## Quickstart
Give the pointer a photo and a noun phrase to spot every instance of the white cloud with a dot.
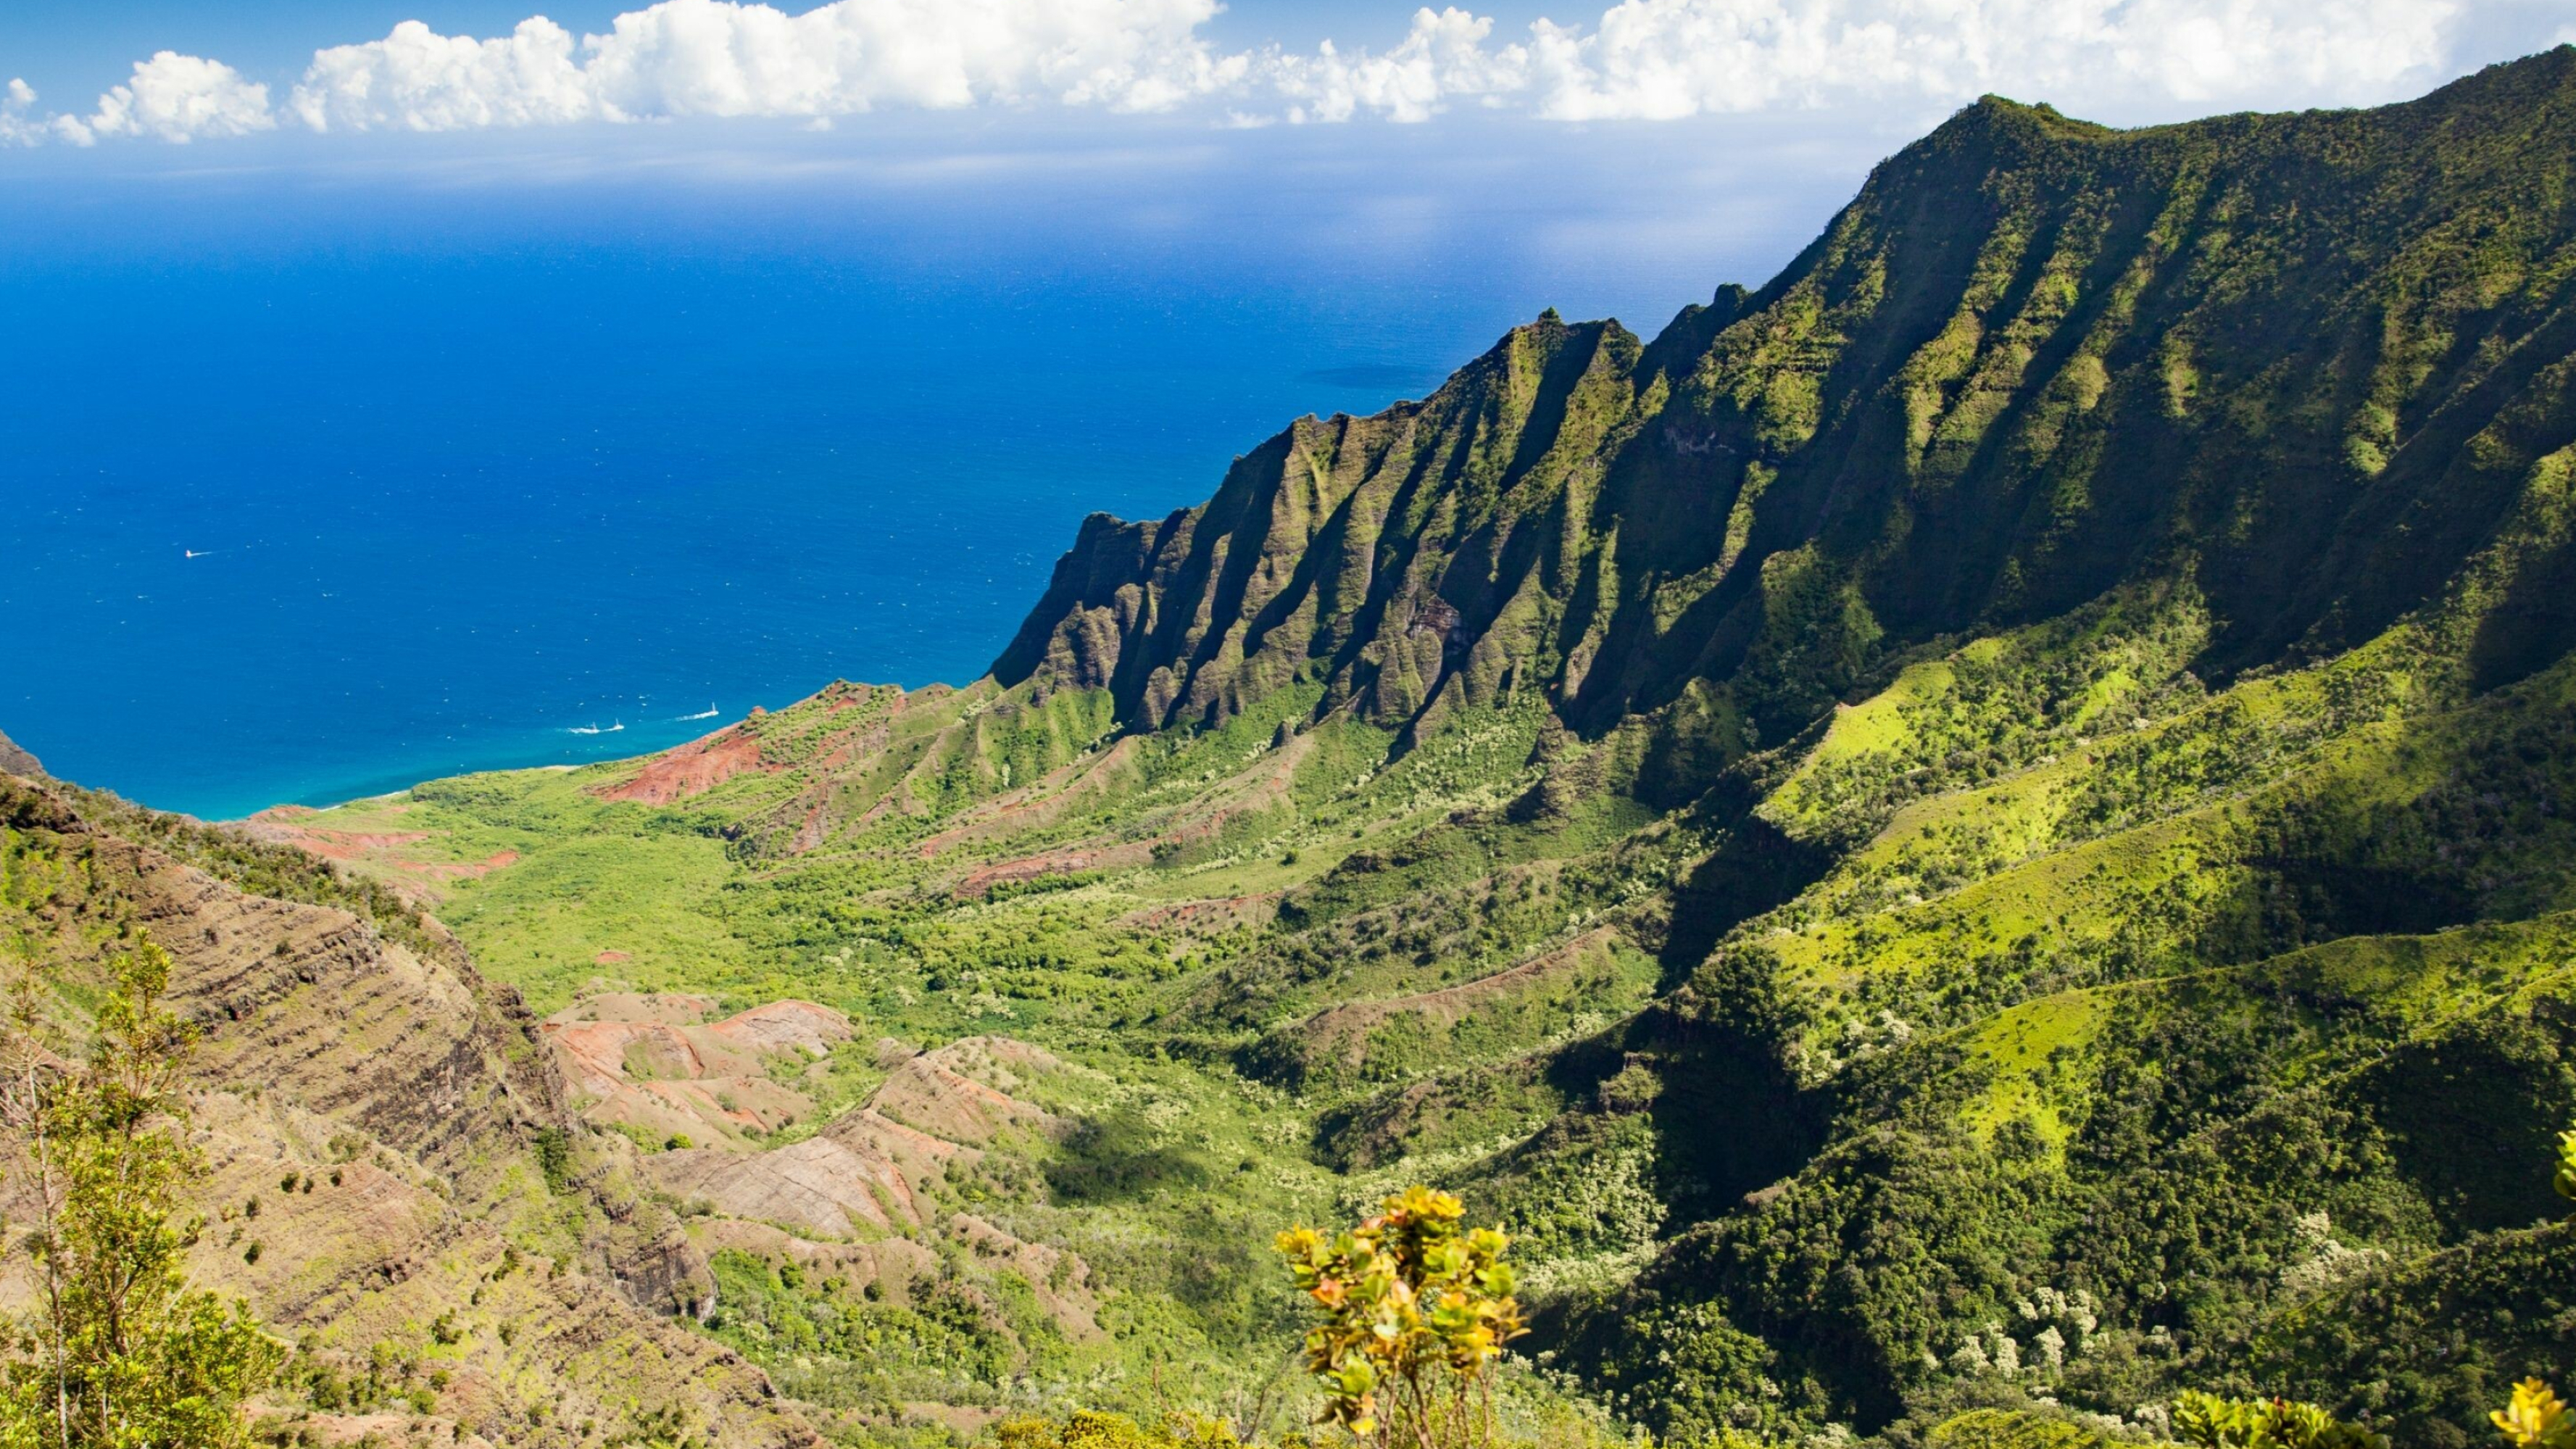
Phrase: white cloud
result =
(1636, 60)
(719, 58)
(1442, 59)
(1663, 59)
(175, 97)
(16, 126)
(419, 80)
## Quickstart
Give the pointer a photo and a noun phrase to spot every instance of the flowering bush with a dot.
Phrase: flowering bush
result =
(2536, 1419)
(1415, 1306)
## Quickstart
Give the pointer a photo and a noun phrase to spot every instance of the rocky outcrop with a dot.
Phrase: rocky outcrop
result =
(15, 761)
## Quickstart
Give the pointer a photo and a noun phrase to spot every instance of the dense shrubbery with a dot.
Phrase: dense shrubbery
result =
(1090, 1429)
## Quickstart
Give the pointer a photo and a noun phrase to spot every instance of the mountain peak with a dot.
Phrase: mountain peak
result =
(2037, 359)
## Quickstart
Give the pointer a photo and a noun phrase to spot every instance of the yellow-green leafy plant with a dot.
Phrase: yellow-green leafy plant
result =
(2212, 1422)
(2536, 1419)
(1415, 1307)
(2566, 1181)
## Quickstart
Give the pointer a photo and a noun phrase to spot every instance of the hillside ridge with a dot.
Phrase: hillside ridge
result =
(1937, 418)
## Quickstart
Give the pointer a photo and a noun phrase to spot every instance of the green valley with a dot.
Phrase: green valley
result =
(1954, 847)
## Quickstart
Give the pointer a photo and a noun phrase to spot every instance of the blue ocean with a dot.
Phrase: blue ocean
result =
(318, 481)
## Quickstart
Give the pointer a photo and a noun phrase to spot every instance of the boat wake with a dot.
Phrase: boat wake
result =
(592, 729)
(708, 713)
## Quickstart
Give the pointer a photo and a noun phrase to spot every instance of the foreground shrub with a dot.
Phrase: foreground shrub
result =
(2536, 1419)
(1415, 1307)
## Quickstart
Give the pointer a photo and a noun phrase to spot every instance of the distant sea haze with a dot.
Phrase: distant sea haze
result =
(313, 494)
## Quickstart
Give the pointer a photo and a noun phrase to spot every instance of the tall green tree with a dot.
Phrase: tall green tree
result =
(118, 1352)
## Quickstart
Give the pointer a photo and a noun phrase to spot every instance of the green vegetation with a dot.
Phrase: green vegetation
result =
(117, 1349)
(2210, 1422)
(1089, 1429)
(1415, 1307)
(1958, 848)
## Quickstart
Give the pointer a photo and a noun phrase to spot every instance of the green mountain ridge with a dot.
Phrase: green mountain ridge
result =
(2034, 360)
(1977, 837)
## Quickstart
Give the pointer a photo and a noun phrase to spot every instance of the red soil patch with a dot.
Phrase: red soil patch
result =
(654, 1061)
(1040, 802)
(694, 769)
(815, 829)
(1188, 917)
(1070, 860)
(1182, 913)
(594, 1052)
(783, 1026)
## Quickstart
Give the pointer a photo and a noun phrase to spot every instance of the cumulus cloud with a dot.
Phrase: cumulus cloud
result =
(1655, 59)
(719, 58)
(1665, 59)
(174, 97)
(1444, 58)
(1636, 60)
(16, 126)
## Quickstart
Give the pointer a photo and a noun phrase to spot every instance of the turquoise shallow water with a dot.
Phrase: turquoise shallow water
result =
(312, 489)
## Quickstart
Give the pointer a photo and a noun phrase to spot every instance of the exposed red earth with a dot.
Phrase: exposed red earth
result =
(694, 768)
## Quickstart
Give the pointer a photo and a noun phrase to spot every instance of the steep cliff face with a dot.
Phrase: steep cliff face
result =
(2310, 364)
(384, 1146)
